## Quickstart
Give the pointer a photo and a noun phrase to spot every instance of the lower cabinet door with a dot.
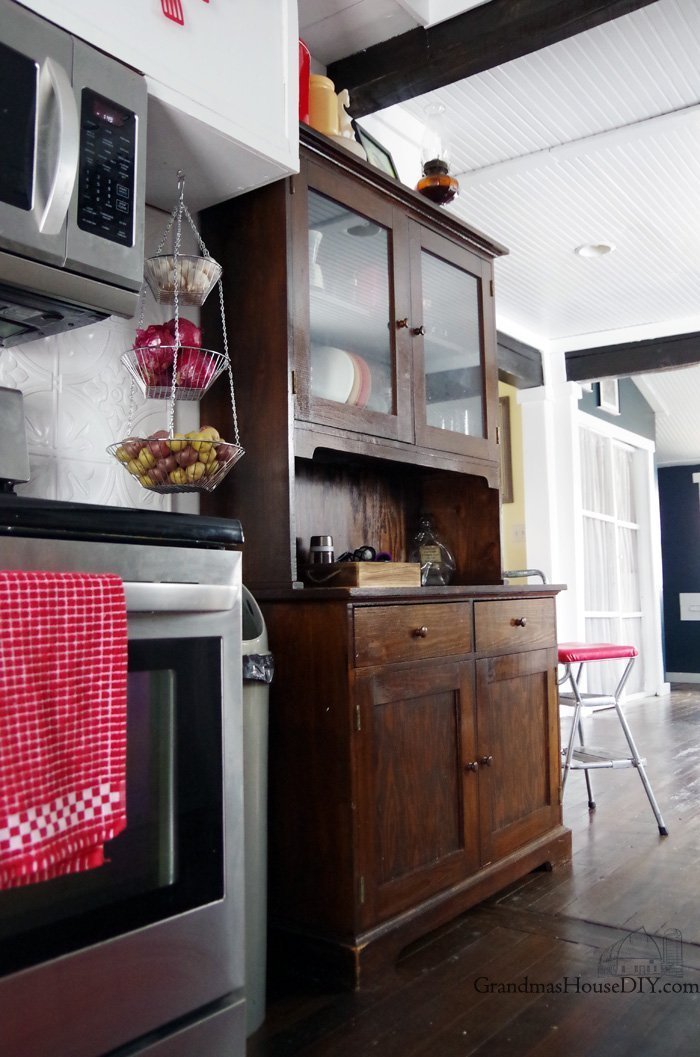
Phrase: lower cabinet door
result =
(518, 750)
(417, 810)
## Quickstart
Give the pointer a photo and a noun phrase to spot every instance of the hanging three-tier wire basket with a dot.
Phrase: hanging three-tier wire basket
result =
(167, 362)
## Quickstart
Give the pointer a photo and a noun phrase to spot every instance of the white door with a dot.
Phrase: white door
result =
(615, 513)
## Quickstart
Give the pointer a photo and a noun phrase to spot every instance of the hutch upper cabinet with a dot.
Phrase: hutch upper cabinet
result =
(399, 321)
(361, 326)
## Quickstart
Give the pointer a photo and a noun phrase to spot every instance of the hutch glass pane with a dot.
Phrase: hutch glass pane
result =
(351, 348)
(454, 377)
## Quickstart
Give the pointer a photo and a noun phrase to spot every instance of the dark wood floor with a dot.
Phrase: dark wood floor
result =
(519, 974)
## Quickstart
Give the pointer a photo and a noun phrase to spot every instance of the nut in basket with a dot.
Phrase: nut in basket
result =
(193, 277)
(191, 462)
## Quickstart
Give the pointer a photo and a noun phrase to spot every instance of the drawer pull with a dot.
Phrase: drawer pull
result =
(519, 622)
(420, 633)
(486, 761)
(473, 766)
(401, 323)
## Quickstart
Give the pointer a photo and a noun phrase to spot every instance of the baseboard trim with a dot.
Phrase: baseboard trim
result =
(683, 677)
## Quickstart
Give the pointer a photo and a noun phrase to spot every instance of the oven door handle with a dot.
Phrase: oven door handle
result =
(182, 598)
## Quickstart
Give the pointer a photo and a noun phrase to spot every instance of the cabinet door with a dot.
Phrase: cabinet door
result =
(417, 812)
(351, 285)
(518, 750)
(452, 326)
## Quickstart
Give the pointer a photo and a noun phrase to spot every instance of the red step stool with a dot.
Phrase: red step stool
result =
(581, 757)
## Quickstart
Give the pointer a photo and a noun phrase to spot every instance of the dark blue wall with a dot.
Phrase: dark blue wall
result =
(679, 499)
(635, 413)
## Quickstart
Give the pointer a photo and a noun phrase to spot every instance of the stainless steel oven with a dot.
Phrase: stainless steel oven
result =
(144, 955)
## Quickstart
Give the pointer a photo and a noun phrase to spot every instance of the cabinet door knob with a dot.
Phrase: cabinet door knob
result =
(401, 323)
(486, 761)
(421, 633)
(418, 330)
(519, 622)
(473, 766)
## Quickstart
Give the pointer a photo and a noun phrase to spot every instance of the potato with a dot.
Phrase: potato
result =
(199, 440)
(167, 464)
(211, 432)
(195, 471)
(187, 456)
(178, 442)
(146, 458)
(158, 444)
(208, 456)
(132, 447)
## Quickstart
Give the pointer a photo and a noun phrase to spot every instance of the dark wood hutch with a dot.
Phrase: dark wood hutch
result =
(414, 743)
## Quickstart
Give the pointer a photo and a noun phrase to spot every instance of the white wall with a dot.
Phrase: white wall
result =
(77, 399)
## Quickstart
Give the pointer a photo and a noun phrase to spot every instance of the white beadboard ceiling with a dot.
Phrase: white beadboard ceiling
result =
(593, 139)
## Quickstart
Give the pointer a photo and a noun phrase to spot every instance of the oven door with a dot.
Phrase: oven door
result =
(109, 955)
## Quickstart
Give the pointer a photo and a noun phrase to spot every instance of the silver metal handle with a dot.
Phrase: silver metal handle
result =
(173, 598)
(515, 574)
(54, 82)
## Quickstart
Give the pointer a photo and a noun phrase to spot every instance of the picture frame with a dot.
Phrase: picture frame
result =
(609, 396)
(377, 154)
(505, 449)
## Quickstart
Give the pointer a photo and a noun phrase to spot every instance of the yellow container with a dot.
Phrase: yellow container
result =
(323, 105)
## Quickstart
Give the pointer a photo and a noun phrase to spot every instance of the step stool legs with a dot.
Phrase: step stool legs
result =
(634, 760)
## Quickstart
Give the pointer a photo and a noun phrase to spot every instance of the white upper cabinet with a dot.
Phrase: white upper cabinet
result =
(222, 84)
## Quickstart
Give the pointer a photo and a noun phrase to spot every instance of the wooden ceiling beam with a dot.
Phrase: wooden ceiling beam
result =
(496, 32)
(633, 357)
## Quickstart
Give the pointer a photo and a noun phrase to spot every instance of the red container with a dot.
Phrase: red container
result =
(304, 68)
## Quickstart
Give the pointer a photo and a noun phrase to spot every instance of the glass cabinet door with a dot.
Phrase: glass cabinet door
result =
(451, 373)
(352, 349)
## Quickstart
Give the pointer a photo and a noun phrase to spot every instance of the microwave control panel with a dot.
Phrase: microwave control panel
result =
(107, 169)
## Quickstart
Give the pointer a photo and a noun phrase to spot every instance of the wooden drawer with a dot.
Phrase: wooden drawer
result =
(510, 623)
(405, 633)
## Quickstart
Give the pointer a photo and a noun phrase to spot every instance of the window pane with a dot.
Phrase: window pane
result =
(597, 481)
(622, 468)
(628, 566)
(599, 564)
(351, 347)
(454, 381)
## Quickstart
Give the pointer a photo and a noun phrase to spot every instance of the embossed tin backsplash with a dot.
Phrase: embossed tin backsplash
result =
(76, 402)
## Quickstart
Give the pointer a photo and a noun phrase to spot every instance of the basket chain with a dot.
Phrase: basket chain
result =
(175, 219)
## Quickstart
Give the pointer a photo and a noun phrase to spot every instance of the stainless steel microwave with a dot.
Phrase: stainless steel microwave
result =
(72, 180)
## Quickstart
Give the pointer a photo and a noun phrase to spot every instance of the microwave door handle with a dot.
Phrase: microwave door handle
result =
(54, 82)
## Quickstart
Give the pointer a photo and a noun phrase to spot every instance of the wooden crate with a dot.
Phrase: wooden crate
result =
(365, 574)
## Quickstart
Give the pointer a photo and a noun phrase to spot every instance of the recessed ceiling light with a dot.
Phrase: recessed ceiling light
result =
(594, 249)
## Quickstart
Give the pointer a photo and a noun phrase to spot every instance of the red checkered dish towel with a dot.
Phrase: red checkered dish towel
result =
(63, 667)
